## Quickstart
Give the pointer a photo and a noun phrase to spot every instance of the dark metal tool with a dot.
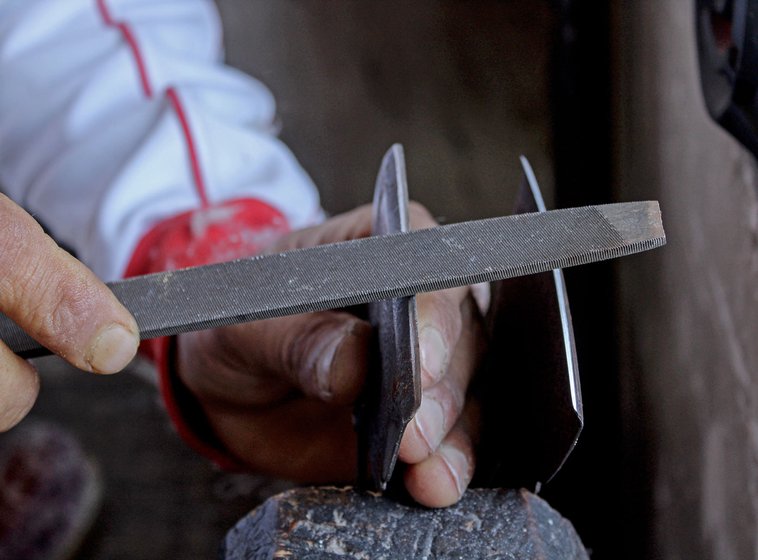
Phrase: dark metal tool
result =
(530, 320)
(375, 268)
(393, 391)
(529, 388)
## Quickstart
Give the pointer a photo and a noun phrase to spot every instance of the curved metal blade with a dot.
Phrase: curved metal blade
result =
(531, 393)
(393, 389)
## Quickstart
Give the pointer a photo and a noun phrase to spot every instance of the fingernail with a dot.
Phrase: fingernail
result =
(430, 421)
(457, 465)
(433, 353)
(112, 349)
(324, 364)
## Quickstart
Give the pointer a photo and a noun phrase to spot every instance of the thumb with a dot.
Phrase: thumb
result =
(351, 225)
(326, 357)
(322, 355)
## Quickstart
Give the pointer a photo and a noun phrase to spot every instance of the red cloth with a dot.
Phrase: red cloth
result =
(217, 233)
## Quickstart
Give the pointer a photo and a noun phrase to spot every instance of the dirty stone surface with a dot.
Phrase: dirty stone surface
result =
(338, 523)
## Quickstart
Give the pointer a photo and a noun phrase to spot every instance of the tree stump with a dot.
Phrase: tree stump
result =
(334, 523)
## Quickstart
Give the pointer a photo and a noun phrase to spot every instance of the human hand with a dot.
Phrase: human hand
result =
(279, 393)
(60, 303)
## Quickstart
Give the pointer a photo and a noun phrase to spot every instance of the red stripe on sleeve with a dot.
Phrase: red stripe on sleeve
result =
(128, 35)
(197, 173)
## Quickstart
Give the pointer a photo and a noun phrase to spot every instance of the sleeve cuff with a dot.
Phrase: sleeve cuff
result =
(185, 411)
(236, 228)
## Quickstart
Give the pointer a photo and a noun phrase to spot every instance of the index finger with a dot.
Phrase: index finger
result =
(439, 315)
(57, 300)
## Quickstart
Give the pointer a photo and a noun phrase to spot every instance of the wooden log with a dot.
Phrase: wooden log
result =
(334, 523)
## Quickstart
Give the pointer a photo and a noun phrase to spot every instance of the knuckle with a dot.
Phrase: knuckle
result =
(58, 307)
(451, 397)
(351, 225)
(442, 310)
(46, 291)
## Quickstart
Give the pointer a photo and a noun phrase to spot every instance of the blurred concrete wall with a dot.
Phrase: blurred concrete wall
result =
(691, 309)
(463, 85)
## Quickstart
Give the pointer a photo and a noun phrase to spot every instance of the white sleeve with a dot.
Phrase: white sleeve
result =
(118, 114)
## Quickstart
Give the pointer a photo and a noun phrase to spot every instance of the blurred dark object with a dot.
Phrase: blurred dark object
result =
(49, 493)
(727, 36)
(342, 523)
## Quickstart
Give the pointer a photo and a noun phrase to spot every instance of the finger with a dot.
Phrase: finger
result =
(354, 224)
(322, 355)
(19, 386)
(439, 315)
(439, 329)
(442, 402)
(442, 478)
(57, 300)
(440, 407)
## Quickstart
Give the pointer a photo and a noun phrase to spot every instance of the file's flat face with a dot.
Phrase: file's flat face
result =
(376, 268)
